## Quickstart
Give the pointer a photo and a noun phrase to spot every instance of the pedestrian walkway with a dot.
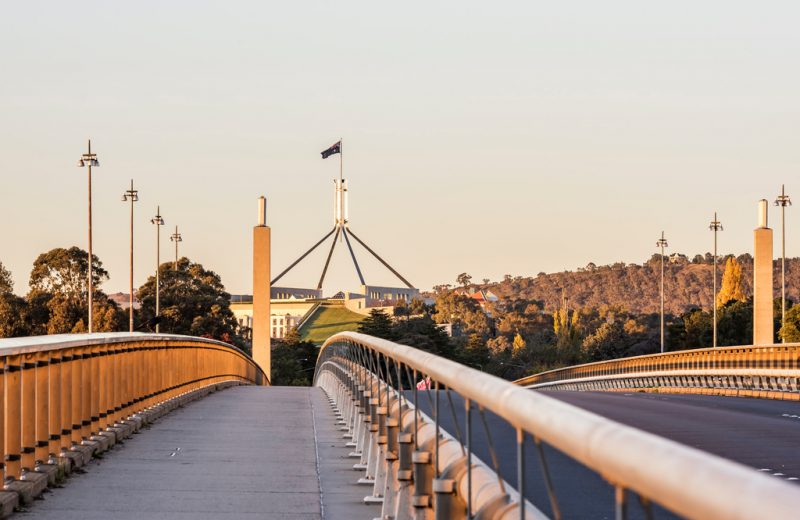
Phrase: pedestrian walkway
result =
(246, 452)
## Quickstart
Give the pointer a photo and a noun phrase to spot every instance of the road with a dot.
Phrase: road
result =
(759, 433)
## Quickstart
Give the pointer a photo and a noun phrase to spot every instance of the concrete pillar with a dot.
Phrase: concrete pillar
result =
(763, 332)
(261, 290)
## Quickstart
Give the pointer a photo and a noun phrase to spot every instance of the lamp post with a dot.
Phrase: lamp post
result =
(715, 226)
(662, 243)
(88, 160)
(158, 221)
(131, 195)
(176, 237)
(783, 200)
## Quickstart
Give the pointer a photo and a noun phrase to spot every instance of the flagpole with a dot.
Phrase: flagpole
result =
(341, 186)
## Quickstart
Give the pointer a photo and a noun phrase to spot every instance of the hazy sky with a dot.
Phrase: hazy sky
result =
(487, 137)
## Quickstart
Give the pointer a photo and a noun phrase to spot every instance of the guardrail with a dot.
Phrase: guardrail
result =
(418, 470)
(771, 371)
(67, 397)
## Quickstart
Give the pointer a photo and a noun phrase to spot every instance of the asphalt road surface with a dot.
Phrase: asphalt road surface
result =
(762, 434)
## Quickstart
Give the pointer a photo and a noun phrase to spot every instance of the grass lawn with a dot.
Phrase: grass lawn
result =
(329, 320)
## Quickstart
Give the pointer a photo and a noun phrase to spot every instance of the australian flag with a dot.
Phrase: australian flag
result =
(336, 148)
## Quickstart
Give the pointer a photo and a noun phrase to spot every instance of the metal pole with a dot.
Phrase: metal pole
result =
(176, 249)
(714, 299)
(783, 200)
(662, 243)
(158, 265)
(783, 270)
(131, 261)
(158, 221)
(662, 298)
(91, 281)
(715, 227)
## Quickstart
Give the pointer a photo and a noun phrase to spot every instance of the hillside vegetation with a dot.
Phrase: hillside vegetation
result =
(635, 287)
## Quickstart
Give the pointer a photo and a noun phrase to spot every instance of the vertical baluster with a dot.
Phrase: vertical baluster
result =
(468, 406)
(42, 404)
(521, 471)
(84, 390)
(3, 414)
(28, 414)
(13, 420)
(54, 395)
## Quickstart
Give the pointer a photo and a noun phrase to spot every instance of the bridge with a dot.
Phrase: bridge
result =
(166, 426)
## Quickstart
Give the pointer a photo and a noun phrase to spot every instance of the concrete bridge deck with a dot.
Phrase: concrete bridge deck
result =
(245, 452)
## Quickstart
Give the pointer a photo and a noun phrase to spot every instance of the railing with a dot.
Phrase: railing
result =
(765, 371)
(69, 396)
(418, 470)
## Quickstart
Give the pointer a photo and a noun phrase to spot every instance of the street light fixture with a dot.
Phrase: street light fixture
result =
(131, 195)
(176, 237)
(158, 221)
(783, 200)
(88, 160)
(715, 226)
(662, 243)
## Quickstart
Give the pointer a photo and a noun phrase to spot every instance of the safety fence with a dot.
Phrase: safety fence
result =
(771, 371)
(416, 469)
(68, 397)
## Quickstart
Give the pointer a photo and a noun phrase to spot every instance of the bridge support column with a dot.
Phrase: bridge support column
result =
(261, 290)
(763, 325)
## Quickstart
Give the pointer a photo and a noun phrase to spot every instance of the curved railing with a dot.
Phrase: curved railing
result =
(771, 371)
(416, 469)
(66, 396)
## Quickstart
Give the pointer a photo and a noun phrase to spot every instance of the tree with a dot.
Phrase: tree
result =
(464, 279)
(377, 324)
(735, 323)
(790, 332)
(65, 271)
(293, 360)
(418, 307)
(463, 312)
(193, 301)
(731, 289)
(607, 342)
(518, 344)
(13, 311)
(57, 301)
(6, 283)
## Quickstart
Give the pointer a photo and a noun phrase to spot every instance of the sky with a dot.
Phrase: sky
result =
(484, 137)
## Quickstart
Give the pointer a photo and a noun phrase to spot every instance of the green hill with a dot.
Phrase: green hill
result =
(329, 320)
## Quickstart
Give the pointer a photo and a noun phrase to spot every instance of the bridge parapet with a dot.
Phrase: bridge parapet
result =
(770, 371)
(416, 469)
(67, 397)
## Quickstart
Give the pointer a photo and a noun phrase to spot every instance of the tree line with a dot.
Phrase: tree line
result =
(193, 300)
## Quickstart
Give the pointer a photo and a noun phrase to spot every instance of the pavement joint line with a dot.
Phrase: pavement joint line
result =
(316, 456)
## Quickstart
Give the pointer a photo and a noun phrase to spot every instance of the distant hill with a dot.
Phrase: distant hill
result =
(635, 287)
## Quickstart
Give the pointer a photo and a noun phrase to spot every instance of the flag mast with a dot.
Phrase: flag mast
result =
(341, 229)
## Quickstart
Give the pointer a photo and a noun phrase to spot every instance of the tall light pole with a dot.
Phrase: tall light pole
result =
(176, 237)
(715, 226)
(783, 200)
(131, 195)
(158, 221)
(88, 160)
(662, 243)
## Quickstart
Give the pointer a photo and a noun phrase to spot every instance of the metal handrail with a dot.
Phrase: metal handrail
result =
(72, 393)
(682, 479)
(774, 361)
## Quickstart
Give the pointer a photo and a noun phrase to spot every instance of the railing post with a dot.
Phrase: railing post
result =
(42, 409)
(12, 402)
(28, 415)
